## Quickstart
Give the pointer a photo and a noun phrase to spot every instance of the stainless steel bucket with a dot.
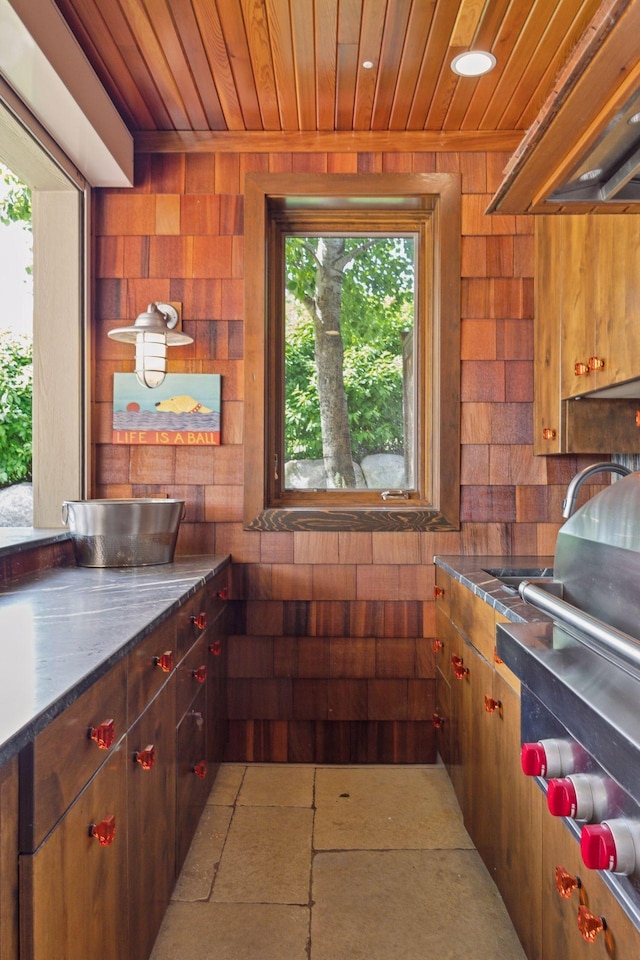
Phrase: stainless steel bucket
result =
(123, 533)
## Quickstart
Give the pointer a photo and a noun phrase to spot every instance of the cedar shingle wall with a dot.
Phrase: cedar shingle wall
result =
(333, 658)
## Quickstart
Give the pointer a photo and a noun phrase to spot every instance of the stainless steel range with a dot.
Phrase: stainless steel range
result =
(581, 684)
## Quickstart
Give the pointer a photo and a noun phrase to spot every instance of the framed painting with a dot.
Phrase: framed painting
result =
(183, 411)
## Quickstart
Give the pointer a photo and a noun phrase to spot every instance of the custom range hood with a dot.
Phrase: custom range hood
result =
(609, 172)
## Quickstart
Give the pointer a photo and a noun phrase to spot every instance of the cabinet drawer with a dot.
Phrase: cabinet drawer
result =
(474, 618)
(73, 890)
(64, 756)
(191, 675)
(201, 610)
(193, 780)
(149, 666)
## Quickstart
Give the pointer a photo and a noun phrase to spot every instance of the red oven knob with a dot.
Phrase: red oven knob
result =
(551, 758)
(582, 796)
(612, 845)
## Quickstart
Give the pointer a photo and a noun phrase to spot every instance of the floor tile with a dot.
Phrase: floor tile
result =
(384, 808)
(408, 904)
(227, 784)
(233, 931)
(196, 878)
(267, 856)
(277, 785)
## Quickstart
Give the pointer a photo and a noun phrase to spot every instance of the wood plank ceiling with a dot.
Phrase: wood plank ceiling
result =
(193, 67)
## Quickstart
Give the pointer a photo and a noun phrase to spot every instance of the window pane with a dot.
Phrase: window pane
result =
(349, 316)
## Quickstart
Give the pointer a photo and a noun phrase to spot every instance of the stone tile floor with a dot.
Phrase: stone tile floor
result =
(297, 862)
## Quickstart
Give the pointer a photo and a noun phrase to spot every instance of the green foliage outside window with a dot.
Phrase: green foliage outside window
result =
(16, 380)
(377, 308)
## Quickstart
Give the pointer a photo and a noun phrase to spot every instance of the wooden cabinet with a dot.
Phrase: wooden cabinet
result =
(587, 309)
(112, 789)
(505, 812)
(151, 820)
(9, 860)
(73, 888)
(483, 723)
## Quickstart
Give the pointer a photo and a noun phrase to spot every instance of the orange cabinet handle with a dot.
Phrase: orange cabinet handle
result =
(491, 704)
(580, 369)
(496, 658)
(223, 593)
(589, 925)
(146, 758)
(200, 673)
(438, 721)
(548, 434)
(200, 620)
(200, 770)
(437, 646)
(216, 648)
(165, 662)
(459, 669)
(438, 592)
(566, 883)
(104, 734)
(105, 831)
(595, 363)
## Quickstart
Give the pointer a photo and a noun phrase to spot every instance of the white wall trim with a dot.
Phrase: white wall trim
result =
(42, 61)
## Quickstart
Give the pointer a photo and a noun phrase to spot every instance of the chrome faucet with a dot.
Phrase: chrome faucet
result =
(569, 502)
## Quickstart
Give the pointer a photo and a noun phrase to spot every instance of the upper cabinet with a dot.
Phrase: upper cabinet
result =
(581, 154)
(587, 350)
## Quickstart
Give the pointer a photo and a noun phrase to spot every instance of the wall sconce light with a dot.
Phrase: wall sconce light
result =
(153, 331)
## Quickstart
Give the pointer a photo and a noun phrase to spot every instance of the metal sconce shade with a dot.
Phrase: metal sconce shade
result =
(152, 332)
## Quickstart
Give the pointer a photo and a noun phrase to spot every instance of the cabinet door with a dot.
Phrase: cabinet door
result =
(152, 808)
(575, 273)
(73, 889)
(192, 780)
(617, 298)
(561, 936)
(9, 860)
(217, 637)
(518, 857)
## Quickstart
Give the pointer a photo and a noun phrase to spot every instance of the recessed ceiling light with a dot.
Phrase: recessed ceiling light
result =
(590, 175)
(634, 119)
(473, 63)
(367, 64)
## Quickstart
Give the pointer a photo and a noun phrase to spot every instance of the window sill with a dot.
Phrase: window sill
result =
(357, 519)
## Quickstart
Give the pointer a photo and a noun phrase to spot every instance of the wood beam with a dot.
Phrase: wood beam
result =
(436, 141)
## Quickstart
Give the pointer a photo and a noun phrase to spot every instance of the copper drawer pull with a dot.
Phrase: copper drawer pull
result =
(438, 592)
(437, 646)
(581, 369)
(104, 832)
(566, 883)
(146, 758)
(103, 735)
(548, 434)
(595, 363)
(223, 594)
(200, 620)
(459, 669)
(200, 770)
(216, 648)
(165, 662)
(491, 705)
(589, 924)
(200, 673)
(438, 721)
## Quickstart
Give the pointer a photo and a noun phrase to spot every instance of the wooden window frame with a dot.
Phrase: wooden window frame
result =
(430, 201)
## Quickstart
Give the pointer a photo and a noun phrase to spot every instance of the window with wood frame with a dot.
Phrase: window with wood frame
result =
(352, 352)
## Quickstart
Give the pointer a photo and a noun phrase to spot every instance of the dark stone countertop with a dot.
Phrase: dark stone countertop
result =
(62, 628)
(19, 539)
(473, 573)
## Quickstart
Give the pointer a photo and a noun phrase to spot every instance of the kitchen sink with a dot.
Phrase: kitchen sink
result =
(540, 577)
